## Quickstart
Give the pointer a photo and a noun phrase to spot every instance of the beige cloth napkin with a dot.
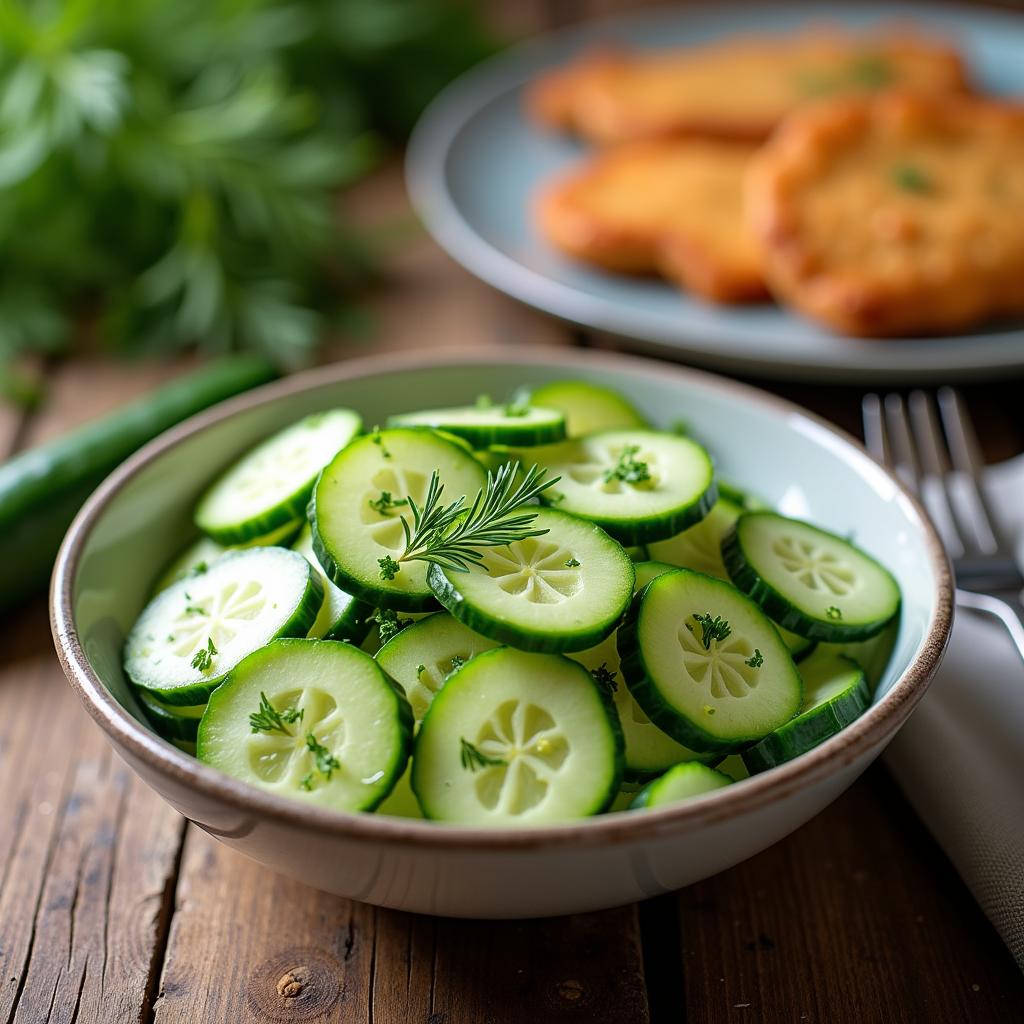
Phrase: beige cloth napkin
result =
(960, 758)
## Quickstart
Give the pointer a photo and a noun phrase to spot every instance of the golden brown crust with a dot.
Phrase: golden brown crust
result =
(738, 89)
(894, 215)
(672, 207)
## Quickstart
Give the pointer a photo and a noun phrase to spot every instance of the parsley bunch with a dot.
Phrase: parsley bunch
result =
(168, 167)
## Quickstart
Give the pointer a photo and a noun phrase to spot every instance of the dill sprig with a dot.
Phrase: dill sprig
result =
(715, 628)
(629, 469)
(451, 536)
(326, 762)
(203, 658)
(605, 678)
(472, 758)
(269, 719)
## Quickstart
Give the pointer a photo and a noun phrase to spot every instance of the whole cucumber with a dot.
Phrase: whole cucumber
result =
(42, 489)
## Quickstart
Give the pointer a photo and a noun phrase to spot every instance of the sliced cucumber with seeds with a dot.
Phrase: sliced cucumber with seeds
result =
(836, 693)
(270, 485)
(194, 632)
(516, 739)
(588, 407)
(360, 498)
(166, 722)
(200, 553)
(706, 664)
(700, 547)
(639, 485)
(563, 591)
(682, 782)
(809, 580)
(341, 616)
(422, 656)
(313, 720)
(483, 425)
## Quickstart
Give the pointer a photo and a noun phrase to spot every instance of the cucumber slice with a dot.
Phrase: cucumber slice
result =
(331, 695)
(734, 767)
(168, 724)
(271, 484)
(484, 425)
(872, 655)
(836, 693)
(738, 688)
(739, 496)
(624, 798)
(588, 407)
(194, 632)
(517, 739)
(200, 553)
(799, 646)
(639, 485)
(422, 656)
(809, 580)
(401, 802)
(563, 591)
(354, 526)
(341, 616)
(680, 783)
(649, 570)
(700, 547)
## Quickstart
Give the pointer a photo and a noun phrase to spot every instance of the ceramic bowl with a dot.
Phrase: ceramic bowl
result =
(140, 516)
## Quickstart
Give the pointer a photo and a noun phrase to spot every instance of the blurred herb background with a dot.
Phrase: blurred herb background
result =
(168, 168)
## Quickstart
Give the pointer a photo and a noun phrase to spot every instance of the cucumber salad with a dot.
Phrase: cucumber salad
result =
(503, 614)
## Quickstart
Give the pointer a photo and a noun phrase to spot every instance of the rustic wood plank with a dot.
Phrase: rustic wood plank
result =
(857, 916)
(247, 945)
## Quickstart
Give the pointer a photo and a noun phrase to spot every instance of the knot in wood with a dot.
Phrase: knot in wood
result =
(290, 983)
(294, 986)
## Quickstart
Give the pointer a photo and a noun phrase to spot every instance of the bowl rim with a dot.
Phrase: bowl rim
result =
(876, 726)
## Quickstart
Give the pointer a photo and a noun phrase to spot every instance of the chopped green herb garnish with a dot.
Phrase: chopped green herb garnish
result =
(194, 609)
(269, 719)
(450, 535)
(376, 438)
(681, 428)
(386, 502)
(420, 669)
(833, 612)
(457, 662)
(203, 658)
(605, 678)
(306, 782)
(472, 758)
(519, 406)
(628, 469)
(756, 660)
(715, 628)
(388, 623)
(572, 563)
(911, 179)
(199, 568)
(326, 762)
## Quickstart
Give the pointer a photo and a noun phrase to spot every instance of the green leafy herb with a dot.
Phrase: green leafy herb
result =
(420, 669)
(833, 612)
(306, 782)
(715, 628)
(911, 179)
(269, 719)
(194, 609)
(756, 660)
(199, 568)
(472, 758)
(326, 762)
(628, 469)
(385, 502)
(451, 535)
(605, 678)
(457, 662)
(519, 406)
(388, 623)
(681, 428)
(571, 563)
(203, 658)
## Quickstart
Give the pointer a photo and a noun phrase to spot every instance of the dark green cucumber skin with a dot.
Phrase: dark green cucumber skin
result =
(170, 727)
(645, 692)
(630, 534)
(512, 434)
(297, 626)
(42, 489)
(610, 714)
(780, 609)
(556, 642)
(402, 706)
(354, 626)
(259, 526)
(807, 730)
(650, 791)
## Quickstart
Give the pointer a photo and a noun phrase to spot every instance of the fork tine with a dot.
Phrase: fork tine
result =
(875, 438)
(901, 442)
(935, 479)
(967, 462)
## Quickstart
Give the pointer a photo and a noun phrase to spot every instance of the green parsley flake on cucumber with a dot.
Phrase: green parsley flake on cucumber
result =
(724, 635)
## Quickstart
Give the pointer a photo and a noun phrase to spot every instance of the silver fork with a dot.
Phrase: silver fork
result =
(942, 464)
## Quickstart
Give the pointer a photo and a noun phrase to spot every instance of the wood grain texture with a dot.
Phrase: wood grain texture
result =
(856, 917)
(247, 945)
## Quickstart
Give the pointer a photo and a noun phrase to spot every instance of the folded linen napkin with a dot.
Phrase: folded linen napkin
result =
(960, 758)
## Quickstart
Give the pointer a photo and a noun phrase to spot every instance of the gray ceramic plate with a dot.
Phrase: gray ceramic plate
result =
(475, 160)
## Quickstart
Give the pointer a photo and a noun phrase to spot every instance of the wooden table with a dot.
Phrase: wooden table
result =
(113, 910)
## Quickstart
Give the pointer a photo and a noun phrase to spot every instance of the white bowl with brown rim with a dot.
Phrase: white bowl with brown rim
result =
(141, 514)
